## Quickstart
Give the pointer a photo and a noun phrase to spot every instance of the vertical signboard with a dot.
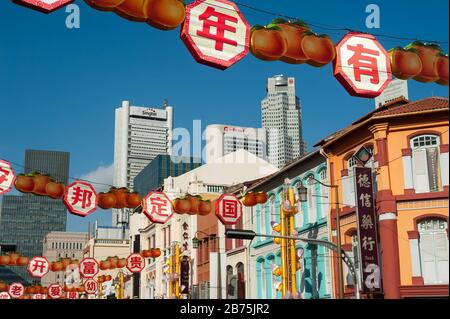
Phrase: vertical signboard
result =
(184, 278)
(367, 231)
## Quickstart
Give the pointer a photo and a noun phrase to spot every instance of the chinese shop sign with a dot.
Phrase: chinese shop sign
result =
(184, 278)
(228, 209)
(7, 177)
(367, 231)
(157, 207)
(81, 199)
(362, 65)
(45, 6)
(216, 33)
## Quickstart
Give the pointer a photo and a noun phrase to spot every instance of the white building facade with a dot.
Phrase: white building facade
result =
(209, 181)
(225, 139)
(141, 133)
(59, 245)
(282, 119)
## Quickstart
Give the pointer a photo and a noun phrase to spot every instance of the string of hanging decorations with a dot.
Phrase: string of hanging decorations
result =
(81, 198)
(217, 34)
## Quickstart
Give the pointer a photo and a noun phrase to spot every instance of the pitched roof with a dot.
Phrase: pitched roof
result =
(398, 107)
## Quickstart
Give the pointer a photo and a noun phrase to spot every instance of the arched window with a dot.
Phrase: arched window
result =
(433, 250)
(425, 163)
(324, 195)
(299, 217)
(240, 281)
(261, 278)
(312, 199)
(231, 284)
(272, 278)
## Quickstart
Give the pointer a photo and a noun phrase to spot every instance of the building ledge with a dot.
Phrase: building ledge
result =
(423, 196)
(421, 291)
(235, 251)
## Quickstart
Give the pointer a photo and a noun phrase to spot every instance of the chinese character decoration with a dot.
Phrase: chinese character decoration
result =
(88, 268)
(423, 62)
(45, 6)
(81, 199)
(362, 65)
(185, 244)
(135, 263)
(161, 14)
(157, 207)
(55, 291)
(216, 33)
(38, 267)
(7, 177)
(91, 286)
(16, 290)
(228, 209)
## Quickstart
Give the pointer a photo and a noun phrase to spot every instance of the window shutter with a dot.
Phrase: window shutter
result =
(421, 182)
(428, 258)
(433, 171)
(351, 185)
(441, 241)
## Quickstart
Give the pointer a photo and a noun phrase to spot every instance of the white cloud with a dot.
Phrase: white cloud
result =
(103, 175)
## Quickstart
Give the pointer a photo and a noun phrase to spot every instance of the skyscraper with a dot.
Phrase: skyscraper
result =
(26, 219)
(141, 133)
(281, 117)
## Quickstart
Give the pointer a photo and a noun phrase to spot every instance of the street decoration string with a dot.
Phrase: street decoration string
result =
(217, 34)
(286, 38)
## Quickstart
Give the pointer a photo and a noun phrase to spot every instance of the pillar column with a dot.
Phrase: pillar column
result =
(387, 212)
(389, 255)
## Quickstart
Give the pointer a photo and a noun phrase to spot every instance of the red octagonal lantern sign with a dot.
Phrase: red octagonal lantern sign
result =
(81, 199)
(228, 209)
(55, 291)
(91, 286)
(16, 290)
(7, 177)
(45, 6)
(38, 267)
(362, 65)
(135, 263)
(216, 33)
(89, 268)
(157, 207)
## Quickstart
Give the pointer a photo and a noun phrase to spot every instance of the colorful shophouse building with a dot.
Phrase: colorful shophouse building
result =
(410, 146)
(314, 280)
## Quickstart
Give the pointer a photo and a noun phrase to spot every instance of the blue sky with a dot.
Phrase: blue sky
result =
(59, 87)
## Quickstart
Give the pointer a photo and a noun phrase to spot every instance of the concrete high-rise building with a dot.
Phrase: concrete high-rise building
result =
(225, 139)
(62, 245)
(26, 219)
(282, 119)
(141, 133)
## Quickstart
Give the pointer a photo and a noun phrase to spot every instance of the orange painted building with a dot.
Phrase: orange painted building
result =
(410, 146)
